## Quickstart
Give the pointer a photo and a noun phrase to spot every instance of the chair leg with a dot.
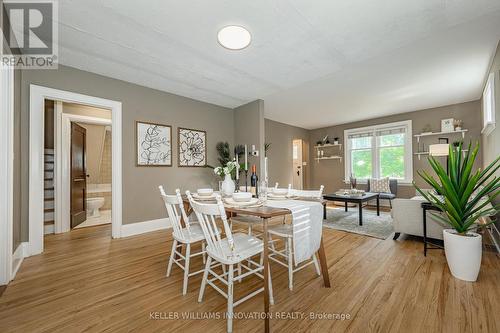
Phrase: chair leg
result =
(186, 269)
(204, 255)
(172, 255)
(239, 272)
(396, 235)
(204, 279)
(315, 260)
(290, 263)
(230, 299)
(390, 203)
(249, 229)
(271, 241)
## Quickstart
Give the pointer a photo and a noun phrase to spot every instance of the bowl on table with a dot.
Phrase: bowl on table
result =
(280, 191)
(205, 192)
(242, 196)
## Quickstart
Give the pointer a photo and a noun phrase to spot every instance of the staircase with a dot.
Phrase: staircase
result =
(48, 205)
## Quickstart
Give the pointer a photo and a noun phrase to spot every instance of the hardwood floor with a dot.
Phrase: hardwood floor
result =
(87, 282)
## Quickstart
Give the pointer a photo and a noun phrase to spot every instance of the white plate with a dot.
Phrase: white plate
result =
(204, 197)
(251, 202)
(279, 197)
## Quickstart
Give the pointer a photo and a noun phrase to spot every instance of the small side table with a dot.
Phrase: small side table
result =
(425, 207)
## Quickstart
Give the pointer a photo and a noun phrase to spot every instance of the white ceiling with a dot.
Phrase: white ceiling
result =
(315, 63)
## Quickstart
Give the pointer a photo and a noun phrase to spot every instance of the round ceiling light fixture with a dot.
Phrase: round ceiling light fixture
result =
(234, 37)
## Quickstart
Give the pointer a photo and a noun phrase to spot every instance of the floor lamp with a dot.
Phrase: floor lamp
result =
(440, 149)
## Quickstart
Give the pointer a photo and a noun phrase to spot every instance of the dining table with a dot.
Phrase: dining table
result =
(266, 213)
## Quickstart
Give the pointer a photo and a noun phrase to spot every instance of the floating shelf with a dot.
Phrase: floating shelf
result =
(418, 136)
(328, 158)
(328, 145)
(427, 153)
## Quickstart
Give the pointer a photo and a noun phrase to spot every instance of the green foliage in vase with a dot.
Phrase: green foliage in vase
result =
(460, 190)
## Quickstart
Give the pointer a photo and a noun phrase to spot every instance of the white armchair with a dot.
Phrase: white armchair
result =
(407, 218)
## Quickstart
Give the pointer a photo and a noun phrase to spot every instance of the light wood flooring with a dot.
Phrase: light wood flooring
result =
(85, 281)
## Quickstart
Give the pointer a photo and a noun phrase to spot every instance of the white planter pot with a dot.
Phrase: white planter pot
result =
(228, 186)
(463, 254)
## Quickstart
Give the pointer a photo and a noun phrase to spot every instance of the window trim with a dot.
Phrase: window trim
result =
(489, 123)
(375, 158)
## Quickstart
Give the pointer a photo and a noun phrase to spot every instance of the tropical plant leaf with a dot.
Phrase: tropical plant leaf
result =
(462, 188)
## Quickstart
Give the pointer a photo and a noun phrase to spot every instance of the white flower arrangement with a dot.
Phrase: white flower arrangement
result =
(226, 170)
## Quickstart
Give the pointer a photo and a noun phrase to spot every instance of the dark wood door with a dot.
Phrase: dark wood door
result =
(78, 175)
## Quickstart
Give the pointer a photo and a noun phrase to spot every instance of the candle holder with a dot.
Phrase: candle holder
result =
(246, 180)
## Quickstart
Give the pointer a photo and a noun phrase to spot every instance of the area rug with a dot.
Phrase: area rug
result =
(374, 226)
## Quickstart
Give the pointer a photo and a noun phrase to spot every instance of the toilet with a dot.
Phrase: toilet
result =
(93, 206)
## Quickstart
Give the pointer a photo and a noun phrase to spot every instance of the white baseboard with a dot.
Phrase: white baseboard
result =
(146, 226)
(18, 257)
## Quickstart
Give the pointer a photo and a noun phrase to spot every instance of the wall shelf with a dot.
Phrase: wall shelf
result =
(328, 158)
(328, 145)
(418, 136)
(427, 153)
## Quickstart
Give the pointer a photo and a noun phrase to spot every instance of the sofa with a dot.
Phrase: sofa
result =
(407, 216)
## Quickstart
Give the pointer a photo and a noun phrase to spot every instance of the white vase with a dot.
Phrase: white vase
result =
(463, 254)
(228, 186)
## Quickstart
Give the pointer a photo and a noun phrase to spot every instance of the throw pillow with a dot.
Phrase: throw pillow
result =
(380, 185)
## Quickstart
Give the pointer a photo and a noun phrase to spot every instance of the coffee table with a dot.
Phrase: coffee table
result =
(357, 199)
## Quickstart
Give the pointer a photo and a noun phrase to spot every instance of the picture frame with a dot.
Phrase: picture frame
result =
(153, 144)
(447, 125)
(191, 147)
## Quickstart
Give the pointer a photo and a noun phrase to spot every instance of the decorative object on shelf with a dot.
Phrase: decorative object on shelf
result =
(319, 143)
(353, 182)
(457, 124)
(465, 197)
(192, 145)
(319, 153)
(153, 144)
(325, 140)
(336, 141)
(427, 129)
(322, 153)
(447, 125)
(228, 186)
(267, 146)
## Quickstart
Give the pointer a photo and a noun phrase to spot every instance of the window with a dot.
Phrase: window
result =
(380, 151)
(489, 105)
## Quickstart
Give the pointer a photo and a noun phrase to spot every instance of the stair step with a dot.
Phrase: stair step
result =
(50, 188)
(48, 210)
(48, 199)
(51, 162)
(48, 222)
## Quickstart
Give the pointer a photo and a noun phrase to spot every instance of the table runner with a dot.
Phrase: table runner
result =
(307, 223)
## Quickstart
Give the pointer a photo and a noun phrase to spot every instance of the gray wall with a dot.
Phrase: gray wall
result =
(491, 143)
(331, 172)
(280, 153)
(141, 201)
(249, 129)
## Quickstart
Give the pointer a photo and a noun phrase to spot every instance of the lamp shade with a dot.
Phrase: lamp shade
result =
(439, 149)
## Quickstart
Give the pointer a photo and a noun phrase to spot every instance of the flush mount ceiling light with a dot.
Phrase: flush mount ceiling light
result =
(234, 37)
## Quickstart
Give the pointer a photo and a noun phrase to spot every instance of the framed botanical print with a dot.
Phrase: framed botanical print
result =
(192, 146)
(153, 144)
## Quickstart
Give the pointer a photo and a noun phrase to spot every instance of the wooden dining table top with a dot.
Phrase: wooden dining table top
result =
(264, 211)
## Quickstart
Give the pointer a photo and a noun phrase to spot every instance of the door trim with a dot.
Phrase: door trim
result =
(36, 151)
(63, 140)
(6, 172)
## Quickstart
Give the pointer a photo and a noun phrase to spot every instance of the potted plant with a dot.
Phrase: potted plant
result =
(228, 185)
(463, 196)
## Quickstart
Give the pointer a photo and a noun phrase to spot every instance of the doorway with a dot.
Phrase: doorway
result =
(298, 164)
(38, 95)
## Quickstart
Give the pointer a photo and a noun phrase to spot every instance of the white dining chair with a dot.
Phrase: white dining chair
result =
(284, 231)
(186, 235)
(232, 250)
